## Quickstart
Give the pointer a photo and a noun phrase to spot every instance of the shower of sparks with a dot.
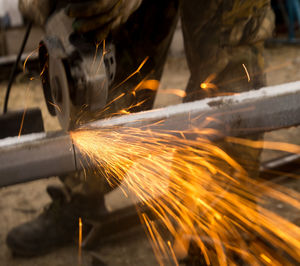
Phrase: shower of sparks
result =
(145, 84)
(198, 193)
(246, 71)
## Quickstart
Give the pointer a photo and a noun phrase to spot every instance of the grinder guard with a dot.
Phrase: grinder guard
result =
(75, 75)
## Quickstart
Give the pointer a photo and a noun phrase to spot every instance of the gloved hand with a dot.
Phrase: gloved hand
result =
(101, 16)
(36, 11)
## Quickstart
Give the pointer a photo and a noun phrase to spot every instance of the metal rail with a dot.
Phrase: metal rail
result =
(35, 156)
(243, 114)
(43, 155)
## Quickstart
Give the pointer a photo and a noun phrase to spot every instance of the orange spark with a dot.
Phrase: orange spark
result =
(240, 78)
(22, 123)
(123, 112)
(128, 109)
(95, 55)
(79, 241)
(133, 74)
(247, 73)
(155, 246)
(44, 68)
(207, 85)
(266, 258)
(27, 58)
(177, 92)
(24, 113)
(103, 54)
(55, 105)
(225, 94)
(104, 47)
(173, 254)
(106, 107)
(146, 84)
(270, 145)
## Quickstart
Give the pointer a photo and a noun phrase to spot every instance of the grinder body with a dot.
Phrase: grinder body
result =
(75, 73)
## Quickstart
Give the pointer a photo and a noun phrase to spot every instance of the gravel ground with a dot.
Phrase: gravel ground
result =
(23, 202)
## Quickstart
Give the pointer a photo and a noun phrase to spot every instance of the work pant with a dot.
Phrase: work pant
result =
(222, 39)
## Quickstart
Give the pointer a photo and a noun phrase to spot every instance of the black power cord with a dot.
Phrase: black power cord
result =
(15, 67)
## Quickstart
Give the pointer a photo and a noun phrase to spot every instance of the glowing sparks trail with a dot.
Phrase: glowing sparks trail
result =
(270, 145)
(177, 92)
(201, 196)
(133, 74)
(95, 55)
(247, 73)
(27, 58)
(22, 123)
(79, 242)
(103, 54)
(55, 106)
(25, 109)
(207, 85)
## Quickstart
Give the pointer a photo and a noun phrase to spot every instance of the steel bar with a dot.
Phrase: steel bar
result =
(243, 114)
(35, 156)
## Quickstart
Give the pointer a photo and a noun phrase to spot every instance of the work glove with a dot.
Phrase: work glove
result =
(101, 16)
(36, 11)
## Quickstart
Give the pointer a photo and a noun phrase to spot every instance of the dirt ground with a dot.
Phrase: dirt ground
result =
(23, 202)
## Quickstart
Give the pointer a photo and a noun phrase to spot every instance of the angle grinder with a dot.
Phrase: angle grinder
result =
(74, 73)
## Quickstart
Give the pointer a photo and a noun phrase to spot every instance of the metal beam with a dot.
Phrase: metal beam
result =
(247, 113)
(270, 108)
(34, 157)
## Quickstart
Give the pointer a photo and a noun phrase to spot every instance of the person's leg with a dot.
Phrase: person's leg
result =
(221, 36)
(223, 41)
(226, 43)
(147, 34)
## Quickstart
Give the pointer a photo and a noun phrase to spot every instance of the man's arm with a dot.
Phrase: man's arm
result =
(37, 11)
(97, 16)
(101, 16)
